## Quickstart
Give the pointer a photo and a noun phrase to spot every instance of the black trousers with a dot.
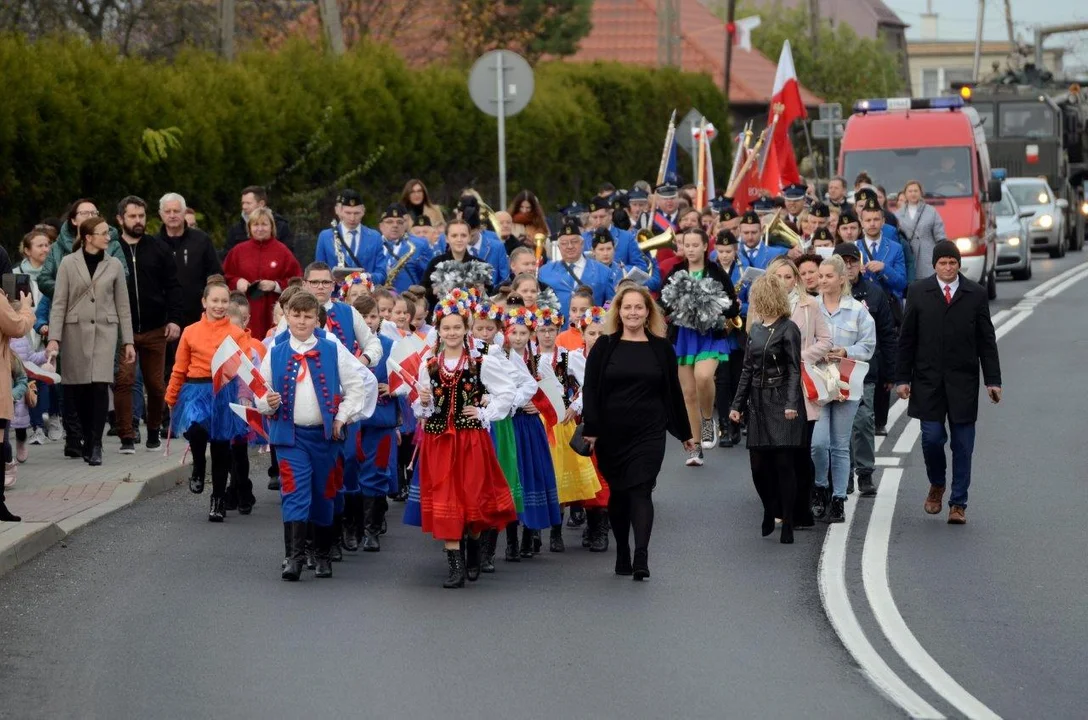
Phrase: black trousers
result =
(3, 468)
(775, 480)
(69, 417)
(630, 510)
(726, 381)
(91, 404)
(221, 458)
(805, 472)
(241, 486)
(882, 400)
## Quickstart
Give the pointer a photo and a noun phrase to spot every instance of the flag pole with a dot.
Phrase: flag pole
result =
(700, 191)
(812, 157)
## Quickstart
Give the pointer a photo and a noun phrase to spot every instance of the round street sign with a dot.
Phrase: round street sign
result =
(516, 82)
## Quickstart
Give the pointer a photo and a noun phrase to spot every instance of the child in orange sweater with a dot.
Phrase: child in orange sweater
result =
(201, 415)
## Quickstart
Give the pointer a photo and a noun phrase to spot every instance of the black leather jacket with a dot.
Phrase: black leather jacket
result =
(772, 359)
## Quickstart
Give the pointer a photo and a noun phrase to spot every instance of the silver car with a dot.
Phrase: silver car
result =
(1047, 225)
(1013, 237)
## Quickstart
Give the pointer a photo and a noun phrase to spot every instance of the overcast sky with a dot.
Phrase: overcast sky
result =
(956, 20)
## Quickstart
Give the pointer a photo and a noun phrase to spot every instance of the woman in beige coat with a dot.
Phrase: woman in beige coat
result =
(90, 307)
(815, 344)
(13, 324)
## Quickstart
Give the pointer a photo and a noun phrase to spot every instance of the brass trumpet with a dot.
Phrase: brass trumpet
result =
(649, 244)
(778, 226)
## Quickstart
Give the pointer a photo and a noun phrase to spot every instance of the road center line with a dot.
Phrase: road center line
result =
(836, 602)
(1058, 289)
(1057, 279)
(874, 572)
(1017, 319)
(908, 437)
(998, 317)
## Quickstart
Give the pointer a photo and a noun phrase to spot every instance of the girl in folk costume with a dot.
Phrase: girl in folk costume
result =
(699, 298)
(354, 286)
(575, 477)
(595, 535)
(487, 319)
(376, 446)
(461, 485)
(535, 468)
(201, 415)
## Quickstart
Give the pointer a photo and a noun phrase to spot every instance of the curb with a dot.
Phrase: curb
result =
(30, 539)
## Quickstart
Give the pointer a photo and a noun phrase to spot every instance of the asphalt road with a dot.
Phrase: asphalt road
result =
(154, 612)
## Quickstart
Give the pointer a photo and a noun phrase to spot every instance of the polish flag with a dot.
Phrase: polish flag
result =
(44, 375)
(815, 383)
(252, 418)
(230, 362)
(852, 378)
(780, 164)
(548, 399)
(741, 30)
(405, 359)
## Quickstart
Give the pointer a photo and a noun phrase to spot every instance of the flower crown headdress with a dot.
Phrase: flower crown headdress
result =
(593, 316)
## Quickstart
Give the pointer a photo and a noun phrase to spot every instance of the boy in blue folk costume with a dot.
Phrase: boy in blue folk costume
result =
(317, 389)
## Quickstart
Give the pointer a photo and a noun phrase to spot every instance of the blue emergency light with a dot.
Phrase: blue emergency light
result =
(906, 103)
(999, 173)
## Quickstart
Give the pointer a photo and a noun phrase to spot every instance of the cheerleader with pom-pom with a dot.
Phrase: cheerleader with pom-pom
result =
(202, 416)
(575, 477)
(462, 490)
(535, 468)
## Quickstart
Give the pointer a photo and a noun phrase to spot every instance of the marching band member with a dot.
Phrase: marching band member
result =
(455, 262)
(575, 477)
(405, 257)
(698, 331)
(317, 388)
(535, 469)
(461, 485)
(754, 252)
(204, 417)
(483, 244)
(349, 243)
(625, 248)
(574, 269)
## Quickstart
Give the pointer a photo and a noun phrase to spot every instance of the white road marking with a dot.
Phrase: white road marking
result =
(909, 437)
(895, 411)
(1017, 319)
(1000, 316)
(887, 461)
(836, 602)
(1058, 289)
(878, 442)
(874, 572)
(1042, 288)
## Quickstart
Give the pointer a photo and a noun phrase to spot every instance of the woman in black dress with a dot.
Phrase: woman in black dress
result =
(770, 395)
(626, 415)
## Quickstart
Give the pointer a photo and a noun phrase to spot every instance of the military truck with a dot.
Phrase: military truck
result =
(1037, 126)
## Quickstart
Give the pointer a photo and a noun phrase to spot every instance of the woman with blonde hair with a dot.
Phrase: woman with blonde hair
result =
(260, 267)
(853, 336)
(418, 201)
(631, 398)
(921, 225)
(770, 395)
(815, 342)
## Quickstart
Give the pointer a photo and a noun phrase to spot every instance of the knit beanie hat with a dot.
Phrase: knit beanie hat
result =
(946, 248)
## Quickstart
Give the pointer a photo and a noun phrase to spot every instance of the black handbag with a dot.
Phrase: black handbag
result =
(578, 443)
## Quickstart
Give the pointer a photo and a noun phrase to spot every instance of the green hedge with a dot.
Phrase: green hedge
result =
(73, 117)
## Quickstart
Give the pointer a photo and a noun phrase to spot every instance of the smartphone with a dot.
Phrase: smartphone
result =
(14, 284)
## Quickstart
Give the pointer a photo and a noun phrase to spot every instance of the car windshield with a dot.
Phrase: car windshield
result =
(943, 172)
(1027, 194)
(986, 116)
(1026, 119)
(1004, 208)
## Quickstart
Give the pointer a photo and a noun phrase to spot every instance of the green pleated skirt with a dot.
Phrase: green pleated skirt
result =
(506, 448)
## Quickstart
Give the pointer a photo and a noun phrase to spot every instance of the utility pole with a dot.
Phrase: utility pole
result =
(730, 38)
(1008, 23)
(330, 20)
(668, 29)
(226, 29)
(978, 39)
(813, 22)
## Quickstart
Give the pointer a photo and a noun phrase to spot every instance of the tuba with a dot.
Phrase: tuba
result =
(778, 227)
(648, 243)
(399, 267)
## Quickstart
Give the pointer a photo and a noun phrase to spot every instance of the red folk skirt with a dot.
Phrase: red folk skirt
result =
(601, 500)
(461, 485)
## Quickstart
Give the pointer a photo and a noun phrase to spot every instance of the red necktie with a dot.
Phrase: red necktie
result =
(948, 294)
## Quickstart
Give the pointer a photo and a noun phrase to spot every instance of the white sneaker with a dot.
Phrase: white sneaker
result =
(10, 470)
(37, 437)
(709, 434)
(54, 429)
(695, 458)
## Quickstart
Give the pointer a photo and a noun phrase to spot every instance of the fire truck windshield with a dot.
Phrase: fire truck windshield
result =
(944, 171)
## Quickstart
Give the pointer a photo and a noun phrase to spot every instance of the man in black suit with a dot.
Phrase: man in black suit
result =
(946, 335)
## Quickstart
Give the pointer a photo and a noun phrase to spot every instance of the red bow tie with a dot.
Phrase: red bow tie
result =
(308, 354)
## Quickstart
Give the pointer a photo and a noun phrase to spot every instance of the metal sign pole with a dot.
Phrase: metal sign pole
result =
(501, 95)
(831, 154)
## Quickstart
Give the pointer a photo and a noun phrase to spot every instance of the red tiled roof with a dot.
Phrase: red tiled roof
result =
(626, 31)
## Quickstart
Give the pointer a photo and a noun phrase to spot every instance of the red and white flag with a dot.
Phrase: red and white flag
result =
(852, 378)
(230, 362)
(780, 164)
(815, 383)
(252, 418)
(548, 399)
(741, 30)
(43, 375)
(405, 359)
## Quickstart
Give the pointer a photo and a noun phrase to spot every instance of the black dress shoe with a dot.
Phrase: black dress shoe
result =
(865, 486)
(274, 483)
(73, 451)
(768, 524)
(881, 431)
(95, 458)
(640, 566)
(6, 515)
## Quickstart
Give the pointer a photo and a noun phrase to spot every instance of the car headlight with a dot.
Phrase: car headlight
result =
(1013, 241)
(966, 244)
(1044, 222)
(1084, 208)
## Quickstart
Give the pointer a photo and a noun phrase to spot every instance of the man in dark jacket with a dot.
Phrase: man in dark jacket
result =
(154, 297)
(254, 197)
(881, 365)
(946, 335)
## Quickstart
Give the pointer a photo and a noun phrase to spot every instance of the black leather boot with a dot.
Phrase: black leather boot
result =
(325, 538)
(526, 543)
(381, 507)
(598, 541)
(577, 516)
(821, 498)
(309, 547)
(640, 566)
(623, 560)
(196, 483)
(850, 484)
(351, 516)
(371, 526)
(230, 498)
(837, 513)
(725, 434)
(488, 542)
(472, 558)
(216, 512)
(512, 543)
(592, 520)
(865, 486)
(335, 552)
(294, 540)
(456, 562)
(555, 541)
(538, 542)
(96, 456)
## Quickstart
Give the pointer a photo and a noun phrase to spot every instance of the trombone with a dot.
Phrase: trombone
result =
(777, 226)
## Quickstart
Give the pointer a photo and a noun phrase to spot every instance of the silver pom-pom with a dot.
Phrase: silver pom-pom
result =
(696, 303)
(450, 274)
(548, 299)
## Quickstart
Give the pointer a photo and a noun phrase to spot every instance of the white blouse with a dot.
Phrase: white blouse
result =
(497, 379)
